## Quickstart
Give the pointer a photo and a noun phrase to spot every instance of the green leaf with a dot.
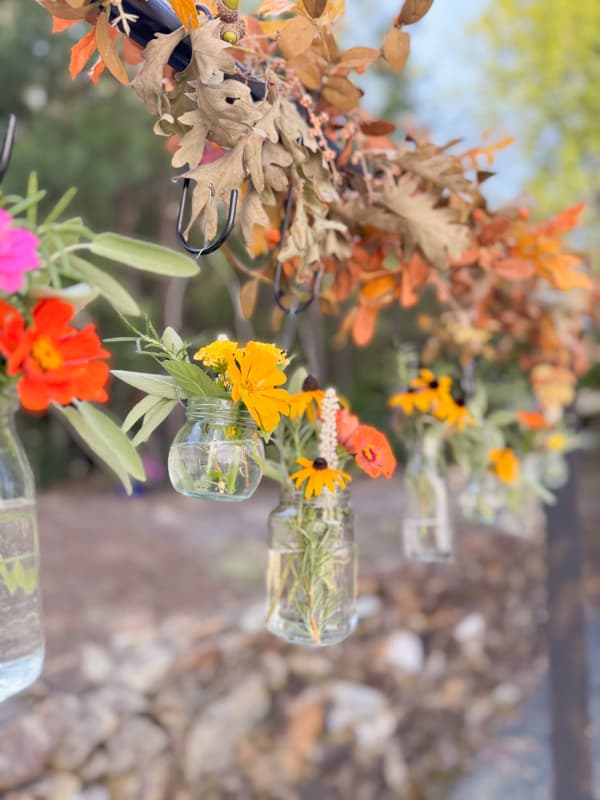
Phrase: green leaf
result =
(193, 381)
(32, 190)
(172, 341)
(145, 256)
(502, 417)
(298, 377)
(275, 472)
(153, 419)
(114, 437)
(23, 205)
(158, 385)
(60, 206)
(96, 444)
(114, 292)
(138, 411)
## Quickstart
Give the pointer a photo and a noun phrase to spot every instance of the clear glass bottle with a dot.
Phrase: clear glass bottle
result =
(21, 631)
(427, 525)
(512, 509)
(218, 453)
(311, 576)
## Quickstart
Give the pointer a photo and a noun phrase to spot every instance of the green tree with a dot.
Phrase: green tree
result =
(544, 67)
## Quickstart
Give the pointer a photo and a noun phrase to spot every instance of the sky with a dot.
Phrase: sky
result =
(446, 79)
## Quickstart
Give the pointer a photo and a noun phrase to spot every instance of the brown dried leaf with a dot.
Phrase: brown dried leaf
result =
(341, 93)
(314, 8)
(359, 57)
(412, 11)
(148, 83)
(210, 53)
(431, 229)
(396, 48)
(249, 298)
(192, 143)
(377, 127)
(108, 53)
(296, 37)
(65, 10)
(311, 75)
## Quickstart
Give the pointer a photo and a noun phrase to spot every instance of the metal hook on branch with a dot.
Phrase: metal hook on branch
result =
(7, 145)
(210, 247)
(278, 292)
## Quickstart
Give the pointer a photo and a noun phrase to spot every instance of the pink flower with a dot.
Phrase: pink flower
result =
(18, 254)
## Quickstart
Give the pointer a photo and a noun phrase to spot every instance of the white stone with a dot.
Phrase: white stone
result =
(404, 650)
(471, 627)
(353, 703)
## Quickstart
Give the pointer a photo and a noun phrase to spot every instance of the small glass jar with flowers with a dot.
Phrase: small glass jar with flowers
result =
(312, 570)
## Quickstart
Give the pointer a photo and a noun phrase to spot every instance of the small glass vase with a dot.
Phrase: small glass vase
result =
(311, 577)
(427, 525)
(218, 453)
(514, 510)
(21, 631)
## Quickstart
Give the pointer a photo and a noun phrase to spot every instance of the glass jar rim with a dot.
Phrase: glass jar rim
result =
(289, 492)
(218, 410)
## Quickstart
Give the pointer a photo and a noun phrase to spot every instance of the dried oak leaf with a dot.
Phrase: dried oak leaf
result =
(422, 225)
(209, 53)
(148, 83)
(105, 34)
(228, 110)
(430, 164)
(252, 214)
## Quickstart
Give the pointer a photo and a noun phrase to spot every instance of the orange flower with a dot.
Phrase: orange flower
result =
(56, 362)
(347, 425)
(254, 376)
(308, 403)
(373, 453)
(504, 464)
(532, 420)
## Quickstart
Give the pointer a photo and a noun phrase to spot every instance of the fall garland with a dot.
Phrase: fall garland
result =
(327, 192)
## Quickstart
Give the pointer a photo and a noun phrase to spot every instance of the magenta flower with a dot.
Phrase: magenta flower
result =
(18, 254)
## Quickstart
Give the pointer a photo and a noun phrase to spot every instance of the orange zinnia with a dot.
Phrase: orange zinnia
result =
(373, 453)
(347, 425)
(56, 362)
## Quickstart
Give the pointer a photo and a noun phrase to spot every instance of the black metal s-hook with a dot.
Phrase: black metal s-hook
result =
(211, 246)
(7, 145)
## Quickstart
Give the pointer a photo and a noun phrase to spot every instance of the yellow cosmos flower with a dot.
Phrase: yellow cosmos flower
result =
(308, 403)
(504, 464)
(557, 442)
(271, 350)
(217, 355)
(318, 476)
(254, 376)
(454, 413)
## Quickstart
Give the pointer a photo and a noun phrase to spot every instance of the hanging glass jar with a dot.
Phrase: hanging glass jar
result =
(427, 526)
(311, 576)
(218, 453)
(21, 632)
(514, 509)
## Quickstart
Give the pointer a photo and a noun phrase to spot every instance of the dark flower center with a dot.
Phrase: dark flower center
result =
(433, 384)
(320, 463)
(461, 402)
(311, 384)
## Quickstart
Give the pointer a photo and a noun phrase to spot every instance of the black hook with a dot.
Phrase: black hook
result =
(7, 145)
(211, 246)
(277, 290)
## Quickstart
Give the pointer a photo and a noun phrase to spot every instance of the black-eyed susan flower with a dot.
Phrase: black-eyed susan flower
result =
(317, 475)
(454, 413)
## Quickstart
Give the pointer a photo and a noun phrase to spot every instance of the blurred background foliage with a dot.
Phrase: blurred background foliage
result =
(541, 62)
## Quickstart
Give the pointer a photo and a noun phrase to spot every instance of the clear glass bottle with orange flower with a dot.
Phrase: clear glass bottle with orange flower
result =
(427, 524)
(311, 577)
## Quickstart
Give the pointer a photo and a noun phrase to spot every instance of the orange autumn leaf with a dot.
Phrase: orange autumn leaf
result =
(186, 11)
(379, 291)
(564, 221)
(487, 152)
(60, 25)
(363, 325)
(81, 52)
(414, 274)
(97, 70)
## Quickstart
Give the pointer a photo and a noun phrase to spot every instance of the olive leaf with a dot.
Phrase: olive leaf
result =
(396, 49)
(154, 417)
(192, 380)
(108, 52)
(145, 256)
(112, 289)
(412, 11)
